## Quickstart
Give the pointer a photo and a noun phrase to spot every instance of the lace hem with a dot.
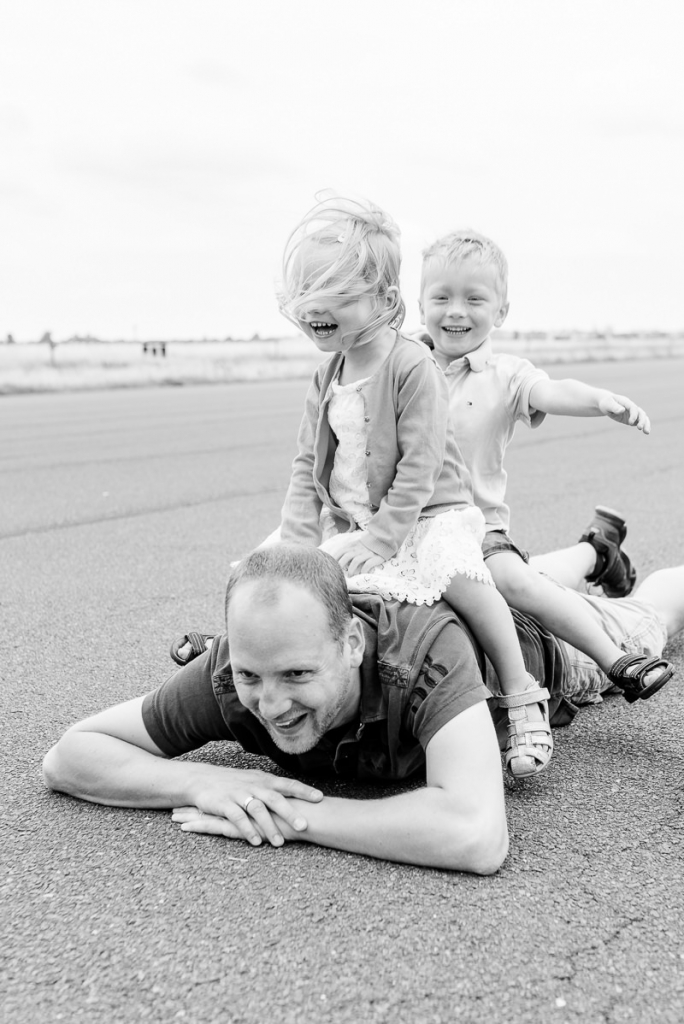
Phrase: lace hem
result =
(368, 583)
(436, 550)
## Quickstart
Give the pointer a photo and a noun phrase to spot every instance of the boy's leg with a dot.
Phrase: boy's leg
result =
(639, 626)
(570, 566)
(561, 611)
(597, 557)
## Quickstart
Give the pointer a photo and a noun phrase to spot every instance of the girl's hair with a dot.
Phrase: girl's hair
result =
(343, 249)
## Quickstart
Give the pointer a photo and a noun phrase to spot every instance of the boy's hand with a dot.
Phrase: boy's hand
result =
(623, 410)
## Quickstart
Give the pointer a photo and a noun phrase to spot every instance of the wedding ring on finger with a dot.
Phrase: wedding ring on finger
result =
(247, 803)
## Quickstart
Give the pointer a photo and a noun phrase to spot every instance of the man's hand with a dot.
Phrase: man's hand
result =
(352, 554)
(241, 804)
(112, 759)
(191, 819)
(623, 410)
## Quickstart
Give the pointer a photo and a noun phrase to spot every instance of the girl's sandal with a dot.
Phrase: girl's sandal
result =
(530, 744)
(199, 643)
(634, 684)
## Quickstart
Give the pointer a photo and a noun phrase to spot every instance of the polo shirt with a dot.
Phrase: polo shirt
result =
(489, 393)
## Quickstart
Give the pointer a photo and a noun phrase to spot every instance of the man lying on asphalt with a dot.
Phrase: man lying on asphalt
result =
(361, 688)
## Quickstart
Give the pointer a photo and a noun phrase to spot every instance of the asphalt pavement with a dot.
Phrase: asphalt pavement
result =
(121, 511)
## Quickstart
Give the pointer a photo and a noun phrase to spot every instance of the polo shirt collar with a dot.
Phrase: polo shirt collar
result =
(479, 357)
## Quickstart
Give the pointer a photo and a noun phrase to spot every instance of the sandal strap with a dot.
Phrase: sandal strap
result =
(517, 700)
(618, 671)
(541, 753)
(527, 728)
(198, 642)
(198, 645)
(619, 667)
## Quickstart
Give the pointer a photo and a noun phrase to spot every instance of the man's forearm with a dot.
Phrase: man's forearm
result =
(105, 770)
(425, 827)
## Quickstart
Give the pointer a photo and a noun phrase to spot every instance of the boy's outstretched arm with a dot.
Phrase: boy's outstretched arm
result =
(573, 398)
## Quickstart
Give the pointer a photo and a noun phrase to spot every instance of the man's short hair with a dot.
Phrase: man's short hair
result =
(308, 567)
(467, 244)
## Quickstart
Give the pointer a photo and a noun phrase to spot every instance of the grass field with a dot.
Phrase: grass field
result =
(76, 365)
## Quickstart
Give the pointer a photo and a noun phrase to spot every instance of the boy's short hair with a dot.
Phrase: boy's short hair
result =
(308, 567)
(466, 244)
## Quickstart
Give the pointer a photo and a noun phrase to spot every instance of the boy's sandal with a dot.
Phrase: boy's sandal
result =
(530, 744)
(198, 644)
(634, 684)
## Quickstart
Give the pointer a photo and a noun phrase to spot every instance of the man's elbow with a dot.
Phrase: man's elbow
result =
(51, 776)
(56, 767)
(483, 849)
(490, 851)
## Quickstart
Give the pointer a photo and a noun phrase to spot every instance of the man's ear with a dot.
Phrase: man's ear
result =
(502, 314)
(356, 641)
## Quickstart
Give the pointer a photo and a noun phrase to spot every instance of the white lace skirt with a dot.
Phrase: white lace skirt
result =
(437, 549)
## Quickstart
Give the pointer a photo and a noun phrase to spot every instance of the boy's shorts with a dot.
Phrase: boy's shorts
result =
(496, 541)
(632, 625)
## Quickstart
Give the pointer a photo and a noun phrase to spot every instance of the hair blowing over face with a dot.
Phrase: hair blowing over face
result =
(343, 249)
(307, 567)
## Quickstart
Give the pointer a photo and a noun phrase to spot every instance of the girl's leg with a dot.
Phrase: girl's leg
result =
(487, 613)
(570, 566)
(529, 744)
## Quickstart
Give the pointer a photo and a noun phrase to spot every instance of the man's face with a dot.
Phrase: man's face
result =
(460, 304)
(288, 670)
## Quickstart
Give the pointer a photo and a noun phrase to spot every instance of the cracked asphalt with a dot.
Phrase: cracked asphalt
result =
(121, 512)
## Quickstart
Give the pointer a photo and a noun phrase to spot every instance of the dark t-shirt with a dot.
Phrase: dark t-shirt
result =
(420, 669)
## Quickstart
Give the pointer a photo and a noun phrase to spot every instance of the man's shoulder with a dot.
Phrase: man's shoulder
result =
(406, 631)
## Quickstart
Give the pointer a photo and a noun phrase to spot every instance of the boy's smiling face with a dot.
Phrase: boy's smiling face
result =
(460, 304)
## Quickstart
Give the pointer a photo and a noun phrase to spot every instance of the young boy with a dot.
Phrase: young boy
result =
(463, 297)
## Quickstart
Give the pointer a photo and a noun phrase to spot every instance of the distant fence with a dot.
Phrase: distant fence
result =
(78, 365)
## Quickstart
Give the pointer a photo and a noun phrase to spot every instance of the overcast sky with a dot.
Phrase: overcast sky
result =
(154, 154)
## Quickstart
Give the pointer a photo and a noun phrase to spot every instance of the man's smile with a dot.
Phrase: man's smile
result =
(288, 724)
